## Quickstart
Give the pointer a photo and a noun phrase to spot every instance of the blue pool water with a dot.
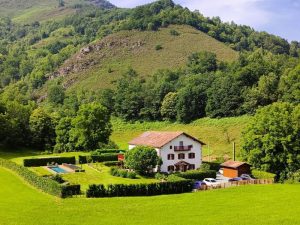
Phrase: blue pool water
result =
(58, 169)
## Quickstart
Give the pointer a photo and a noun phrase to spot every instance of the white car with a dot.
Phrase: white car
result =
(211, 182)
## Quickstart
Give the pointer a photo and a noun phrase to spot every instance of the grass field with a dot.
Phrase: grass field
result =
(218, 134)
(101, 176)
(254, 205)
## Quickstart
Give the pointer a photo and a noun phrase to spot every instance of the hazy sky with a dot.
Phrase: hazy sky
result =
(280, 17)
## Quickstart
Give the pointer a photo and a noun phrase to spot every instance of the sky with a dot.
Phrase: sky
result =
(279, 17)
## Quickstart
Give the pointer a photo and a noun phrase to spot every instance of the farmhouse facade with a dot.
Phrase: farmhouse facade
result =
(178, 150)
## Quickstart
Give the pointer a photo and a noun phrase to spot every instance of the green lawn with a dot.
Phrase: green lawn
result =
(272, 204)
(100, 176)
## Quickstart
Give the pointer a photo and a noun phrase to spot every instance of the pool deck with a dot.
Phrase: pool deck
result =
(68, 170)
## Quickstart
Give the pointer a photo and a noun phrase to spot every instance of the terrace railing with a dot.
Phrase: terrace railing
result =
(183, 148)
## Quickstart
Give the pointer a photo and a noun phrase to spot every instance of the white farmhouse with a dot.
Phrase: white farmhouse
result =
(178, 150)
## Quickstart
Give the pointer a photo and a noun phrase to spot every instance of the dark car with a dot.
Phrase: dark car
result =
(199, 184)
(246, 177)
(235, 179)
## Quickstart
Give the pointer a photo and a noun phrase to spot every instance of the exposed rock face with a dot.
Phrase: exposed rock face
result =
(93, 54)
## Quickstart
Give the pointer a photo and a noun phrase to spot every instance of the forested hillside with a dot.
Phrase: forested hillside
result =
(155, 62)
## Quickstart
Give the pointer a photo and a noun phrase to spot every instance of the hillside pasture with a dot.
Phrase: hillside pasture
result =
(218, 134)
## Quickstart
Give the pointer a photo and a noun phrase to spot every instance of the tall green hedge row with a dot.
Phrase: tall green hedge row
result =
(47, 185)
(118, 190)
(103, 151)
(262, 174)
(197, 174)
(34, 162)
(98, 158)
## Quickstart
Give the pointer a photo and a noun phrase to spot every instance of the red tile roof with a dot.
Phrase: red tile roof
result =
(158, 139)
(233, 164)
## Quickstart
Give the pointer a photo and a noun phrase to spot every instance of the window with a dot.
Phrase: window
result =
(181, 156)
(171, 157)
(192, 166)
(170, 168)
(181, 143)
(191, 155)
(171, 147)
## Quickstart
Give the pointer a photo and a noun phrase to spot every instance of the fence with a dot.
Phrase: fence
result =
(237, 183)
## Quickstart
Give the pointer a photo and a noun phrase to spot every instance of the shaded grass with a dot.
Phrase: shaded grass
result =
(249, 205)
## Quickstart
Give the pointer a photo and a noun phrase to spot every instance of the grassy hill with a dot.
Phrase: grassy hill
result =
(102, 62)
(218, 134)
(22, 11)
(21, 204)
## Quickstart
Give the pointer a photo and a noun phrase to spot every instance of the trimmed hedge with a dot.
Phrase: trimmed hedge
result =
(118, 190)
(45, 184)
(35, 162)
(197, 174)
(71, 189)
(103, 151)
(213, 165)
(99, 158)
(111, 163)
(263, 175)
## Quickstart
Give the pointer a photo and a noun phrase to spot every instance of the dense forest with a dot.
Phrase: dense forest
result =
(267, 71)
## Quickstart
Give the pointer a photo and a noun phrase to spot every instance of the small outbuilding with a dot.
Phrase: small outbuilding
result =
(233, 169)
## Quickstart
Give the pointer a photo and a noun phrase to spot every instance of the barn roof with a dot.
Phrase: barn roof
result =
(158, 139)
(233, 164)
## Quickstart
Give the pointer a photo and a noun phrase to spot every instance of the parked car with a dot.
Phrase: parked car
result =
(211, 182)
(199, 184)
(235, 179)
(246, 177)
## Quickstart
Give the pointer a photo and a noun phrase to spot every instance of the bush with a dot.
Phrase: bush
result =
(45, 184)
(213, 165)
(44, 161)
(160, 176)
(111, 163)
(198, 174)
(158, 47)
(174, 178)
(58, 178)
(115, 190)
(82, 159)
(115, 171)
(174, 32)
(70, 190)
(263, 175)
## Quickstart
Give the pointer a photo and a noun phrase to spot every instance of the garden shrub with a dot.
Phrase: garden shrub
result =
(197, 174)
(174, 177)
(160, 176)
(35, 162)
(117, 172)
(70, 190)
(82, 159)
(111, 163)
(263, 175)
(213, 165)
(58, 178)
(45, 184)
(117, 190)
(105, 157)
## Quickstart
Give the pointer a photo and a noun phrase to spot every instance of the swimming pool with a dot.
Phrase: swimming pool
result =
(57, 169)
